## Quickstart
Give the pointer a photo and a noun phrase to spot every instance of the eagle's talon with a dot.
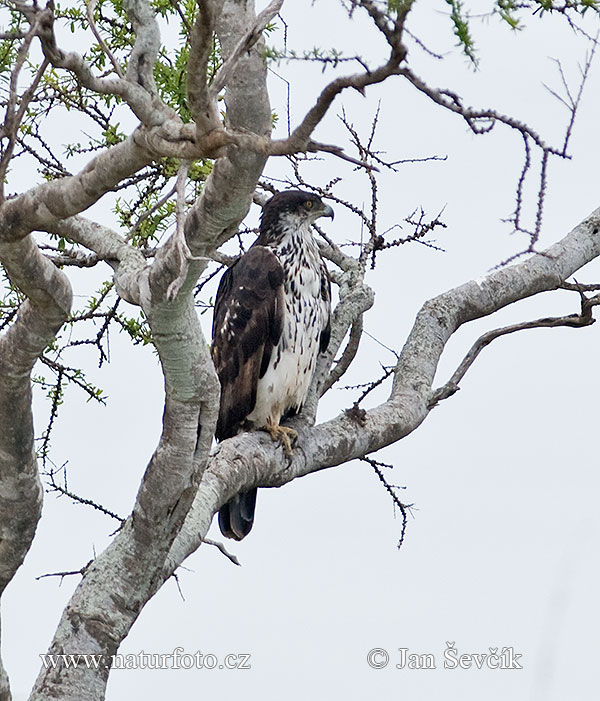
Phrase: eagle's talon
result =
(283, 434)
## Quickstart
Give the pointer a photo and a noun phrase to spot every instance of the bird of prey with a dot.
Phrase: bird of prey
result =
(271, 320)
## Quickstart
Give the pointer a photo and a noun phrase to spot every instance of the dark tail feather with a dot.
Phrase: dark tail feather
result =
(237, 516)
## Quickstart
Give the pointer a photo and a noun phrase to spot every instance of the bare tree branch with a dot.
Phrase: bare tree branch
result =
(137, 90)
(347, 356)
(202, 104)
(243, 46)
(140, 66)
(452, 386)
(91, 6)
(44, 205)
(227, 193)
(38, 319)
(223, 549)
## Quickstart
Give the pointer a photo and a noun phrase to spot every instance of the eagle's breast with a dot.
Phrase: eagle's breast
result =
(285, 384)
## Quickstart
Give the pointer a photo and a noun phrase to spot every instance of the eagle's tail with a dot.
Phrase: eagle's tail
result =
(237, 516)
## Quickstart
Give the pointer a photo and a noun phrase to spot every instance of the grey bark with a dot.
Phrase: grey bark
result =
(39, 318)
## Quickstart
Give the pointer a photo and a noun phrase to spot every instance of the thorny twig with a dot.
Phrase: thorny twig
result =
(403, 508)
(62, 575)
(54, 486)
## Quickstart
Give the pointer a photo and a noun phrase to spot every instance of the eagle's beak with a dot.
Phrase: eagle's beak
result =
(327, 212)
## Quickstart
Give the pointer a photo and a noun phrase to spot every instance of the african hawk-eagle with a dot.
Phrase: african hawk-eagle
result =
(271, 320)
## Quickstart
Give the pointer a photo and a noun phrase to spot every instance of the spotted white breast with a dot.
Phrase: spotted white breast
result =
(285, 384)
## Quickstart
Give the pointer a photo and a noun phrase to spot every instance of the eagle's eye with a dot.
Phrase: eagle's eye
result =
(308, 204)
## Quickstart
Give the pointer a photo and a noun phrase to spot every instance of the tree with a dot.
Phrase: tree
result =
(181, 134)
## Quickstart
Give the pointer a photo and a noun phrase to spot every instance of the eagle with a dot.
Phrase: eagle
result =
(271, 320)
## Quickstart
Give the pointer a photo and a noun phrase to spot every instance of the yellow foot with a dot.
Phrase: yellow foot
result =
(284, 434)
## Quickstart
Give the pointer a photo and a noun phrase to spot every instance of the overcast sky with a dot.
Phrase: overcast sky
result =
(502, 549)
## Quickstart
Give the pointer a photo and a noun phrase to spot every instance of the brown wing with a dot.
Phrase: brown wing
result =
(247, 324)
(326, 297)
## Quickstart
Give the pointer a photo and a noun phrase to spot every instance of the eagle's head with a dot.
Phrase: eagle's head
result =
(292, 207)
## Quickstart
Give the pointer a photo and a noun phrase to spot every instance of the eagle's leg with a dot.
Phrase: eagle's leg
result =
(284, 434)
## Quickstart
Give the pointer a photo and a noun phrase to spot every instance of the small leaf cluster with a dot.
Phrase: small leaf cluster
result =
(511, 12)
(509, 9)
(461, 29)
